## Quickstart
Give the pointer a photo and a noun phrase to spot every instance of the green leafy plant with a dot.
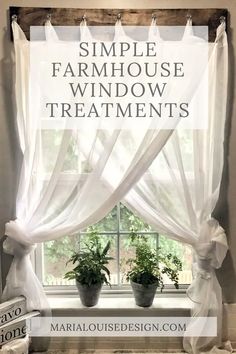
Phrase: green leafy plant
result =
(149, 266)
(91, 262)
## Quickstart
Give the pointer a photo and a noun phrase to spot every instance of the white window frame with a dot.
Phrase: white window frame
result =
(117, 289)
(37, 258)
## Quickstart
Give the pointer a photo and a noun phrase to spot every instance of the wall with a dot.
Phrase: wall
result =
(9, 158)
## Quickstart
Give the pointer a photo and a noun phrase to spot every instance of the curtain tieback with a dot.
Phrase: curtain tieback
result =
(210, 251)
(205, 268)
(18, 242)
(212, 245)
(17, 249)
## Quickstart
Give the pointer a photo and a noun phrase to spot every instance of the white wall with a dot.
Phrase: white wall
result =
(9, 155)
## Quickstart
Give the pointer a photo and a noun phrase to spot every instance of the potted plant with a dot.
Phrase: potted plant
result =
(147, 270)
(90, 271)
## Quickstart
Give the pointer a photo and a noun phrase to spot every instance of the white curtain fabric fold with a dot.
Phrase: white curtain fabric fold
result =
(178, 193)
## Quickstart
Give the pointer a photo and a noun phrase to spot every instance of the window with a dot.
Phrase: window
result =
(51, 257)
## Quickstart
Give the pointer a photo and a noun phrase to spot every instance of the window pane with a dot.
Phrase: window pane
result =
(75, 161)
(51, 139)
(181, 251)
(56, 254)
(112, 266)
(128, 220)
(109, 223)
(127, 251)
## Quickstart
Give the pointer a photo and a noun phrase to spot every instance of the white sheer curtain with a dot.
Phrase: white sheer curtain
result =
(178, 193)
(53, 202)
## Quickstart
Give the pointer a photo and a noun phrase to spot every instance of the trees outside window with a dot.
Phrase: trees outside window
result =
(117, 227)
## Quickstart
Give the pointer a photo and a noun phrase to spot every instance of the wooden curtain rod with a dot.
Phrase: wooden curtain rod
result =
(36, 16)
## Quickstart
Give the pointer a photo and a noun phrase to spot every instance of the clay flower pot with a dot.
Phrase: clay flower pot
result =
(144, 295)
(89, 295)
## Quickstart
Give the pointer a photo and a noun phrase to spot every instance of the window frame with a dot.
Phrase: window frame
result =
(116, 289)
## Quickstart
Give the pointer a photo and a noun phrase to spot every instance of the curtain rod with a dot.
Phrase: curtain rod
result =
(118, 17)
(36, 16)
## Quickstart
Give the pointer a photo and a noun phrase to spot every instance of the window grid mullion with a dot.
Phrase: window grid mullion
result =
(157, 243)
(118, 244)
(118, 232)
(121, 232)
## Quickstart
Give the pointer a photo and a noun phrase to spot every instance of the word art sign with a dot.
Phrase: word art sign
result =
(104, 79)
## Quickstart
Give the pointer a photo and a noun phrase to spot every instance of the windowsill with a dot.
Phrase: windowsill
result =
(174, 306)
